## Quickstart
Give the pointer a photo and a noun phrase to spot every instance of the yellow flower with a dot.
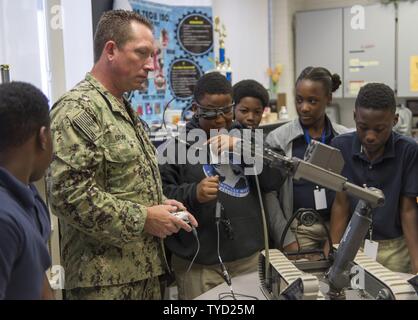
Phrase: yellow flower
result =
(275, 73)
(275, 77)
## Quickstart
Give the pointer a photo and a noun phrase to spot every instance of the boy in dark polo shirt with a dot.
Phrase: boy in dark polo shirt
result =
(25, 153)
(378, 157)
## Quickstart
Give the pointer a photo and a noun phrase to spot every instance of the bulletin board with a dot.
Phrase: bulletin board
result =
(184, 52)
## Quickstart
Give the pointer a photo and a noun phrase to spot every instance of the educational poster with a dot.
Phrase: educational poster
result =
(413, 73)
(184, 51)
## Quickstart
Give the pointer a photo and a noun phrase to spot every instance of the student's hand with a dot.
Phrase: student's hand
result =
(291, 247)
(47, 292)
(223, 143)
(207, 189)
(161, 223)
(326, 249)
(414, 267)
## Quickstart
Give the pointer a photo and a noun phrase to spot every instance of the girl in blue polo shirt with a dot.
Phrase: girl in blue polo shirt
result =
(314, 88)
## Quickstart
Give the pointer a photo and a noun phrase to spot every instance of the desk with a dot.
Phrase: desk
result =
(248, 284)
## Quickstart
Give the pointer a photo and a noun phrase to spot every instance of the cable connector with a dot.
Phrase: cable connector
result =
(226, 275)
(218, 211)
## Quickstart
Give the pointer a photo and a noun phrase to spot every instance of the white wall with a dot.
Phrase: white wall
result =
(283, 46)
(19, 41)
(78, 40)
(326, 4)
(179, 2)
(246, 23)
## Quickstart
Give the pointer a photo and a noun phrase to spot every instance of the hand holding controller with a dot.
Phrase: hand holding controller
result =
(183, 215)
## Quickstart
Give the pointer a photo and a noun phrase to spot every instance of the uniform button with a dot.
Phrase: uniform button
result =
(370, 167)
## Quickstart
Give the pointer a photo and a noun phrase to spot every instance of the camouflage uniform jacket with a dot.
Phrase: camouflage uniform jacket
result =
(103, 176)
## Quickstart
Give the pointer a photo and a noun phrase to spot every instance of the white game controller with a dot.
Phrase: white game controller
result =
(183, 215)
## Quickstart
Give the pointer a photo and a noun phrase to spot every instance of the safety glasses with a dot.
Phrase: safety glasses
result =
(212, 112)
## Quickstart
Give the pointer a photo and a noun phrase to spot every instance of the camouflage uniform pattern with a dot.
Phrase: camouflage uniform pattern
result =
(103, 176)
(142, 290)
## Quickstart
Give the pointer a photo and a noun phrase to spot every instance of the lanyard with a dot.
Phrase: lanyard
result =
(308, 137)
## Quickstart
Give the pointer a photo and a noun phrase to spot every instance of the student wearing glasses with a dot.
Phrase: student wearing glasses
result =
(200, 186)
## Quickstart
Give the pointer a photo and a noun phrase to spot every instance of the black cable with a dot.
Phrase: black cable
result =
(145, 126)
(194, 258)
(297, 239)
(295, 215)
(224, 295)
(197, 250)
(163, 124)
(265, 233)
(183, 112)
(225, 273)
(331, 248)
(286, 229)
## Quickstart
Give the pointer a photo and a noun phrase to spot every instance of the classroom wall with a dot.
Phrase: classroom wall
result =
(327, 4)
(19, 41)
(284, 42)
(78, 40)
(246, 43)
(283, 47)
(247, 46)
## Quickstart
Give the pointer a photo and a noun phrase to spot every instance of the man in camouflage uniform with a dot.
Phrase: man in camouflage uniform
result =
(104, 182)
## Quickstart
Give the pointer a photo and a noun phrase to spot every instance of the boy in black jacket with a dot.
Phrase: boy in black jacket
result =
(250, 99)
(200, 186)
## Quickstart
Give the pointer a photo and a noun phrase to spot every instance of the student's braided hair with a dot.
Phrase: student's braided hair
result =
(331, 82)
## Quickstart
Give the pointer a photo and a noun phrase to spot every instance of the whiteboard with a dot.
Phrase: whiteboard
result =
(369, 53)
(319, 41)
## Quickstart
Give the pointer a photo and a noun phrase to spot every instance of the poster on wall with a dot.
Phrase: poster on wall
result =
(183, 53)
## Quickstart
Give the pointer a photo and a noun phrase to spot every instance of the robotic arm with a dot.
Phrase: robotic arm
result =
(322, 165)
